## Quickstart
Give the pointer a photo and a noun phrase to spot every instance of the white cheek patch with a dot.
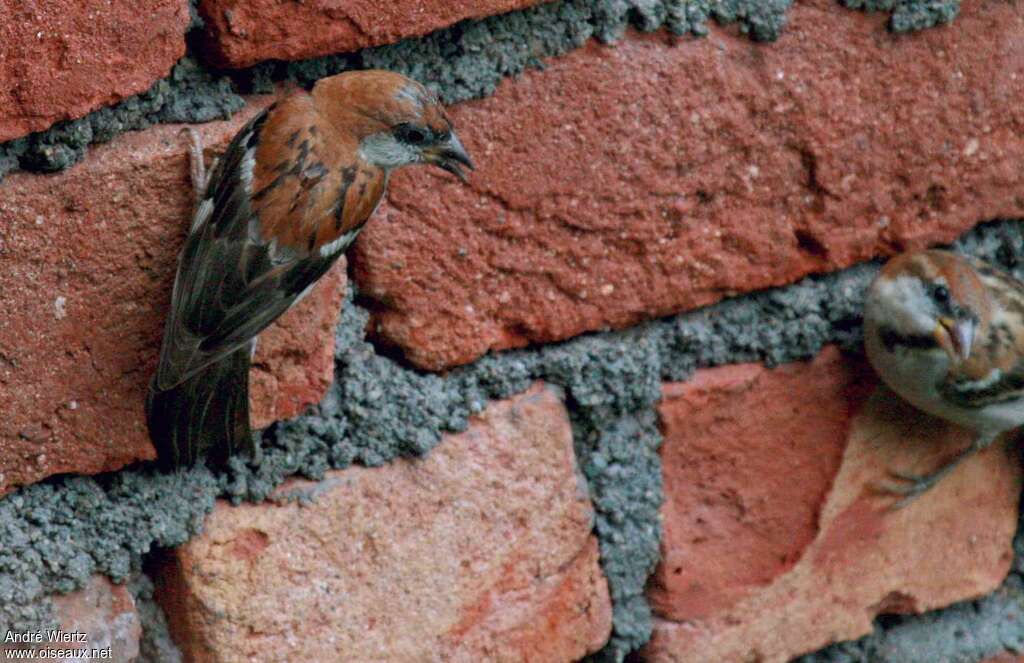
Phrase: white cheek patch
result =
(994, 376)
(903, 303)
(385, 151)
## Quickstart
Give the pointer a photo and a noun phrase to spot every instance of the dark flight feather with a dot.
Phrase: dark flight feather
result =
(289, 195)
(232, 282)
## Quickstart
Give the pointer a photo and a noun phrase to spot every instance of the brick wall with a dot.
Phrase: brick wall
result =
(607, 400)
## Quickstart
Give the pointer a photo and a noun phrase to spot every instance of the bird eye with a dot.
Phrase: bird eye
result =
(941, 294)
(410, 134)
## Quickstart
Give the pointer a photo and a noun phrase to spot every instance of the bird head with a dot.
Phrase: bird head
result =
(396, 120)
(927, 301)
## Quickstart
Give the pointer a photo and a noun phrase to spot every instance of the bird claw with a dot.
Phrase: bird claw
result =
(257, 448)
(915, 485)
(910, 477)
(912, 487)
(197, 164)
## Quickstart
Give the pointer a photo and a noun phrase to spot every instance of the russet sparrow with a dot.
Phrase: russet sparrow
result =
(288, 196)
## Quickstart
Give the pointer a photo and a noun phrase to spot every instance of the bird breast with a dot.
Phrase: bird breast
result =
(310, 189)
(918, 376)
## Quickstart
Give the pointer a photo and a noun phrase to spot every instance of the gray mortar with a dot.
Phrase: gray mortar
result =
(910, 15)
(54, 535)
(465, 61)
(967, 632)
(189, 94)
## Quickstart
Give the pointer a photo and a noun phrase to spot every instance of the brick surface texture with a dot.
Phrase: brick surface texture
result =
(87, 260)
(63, 58)
(240, 33)
(771, 510)
(657, 175)
(482, 551)
(104, 612)
(619, 183)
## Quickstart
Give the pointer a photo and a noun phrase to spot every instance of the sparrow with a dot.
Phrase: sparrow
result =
(287, 197)
(946, 332)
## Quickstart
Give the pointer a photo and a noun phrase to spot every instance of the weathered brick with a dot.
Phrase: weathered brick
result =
(61, 59)
(482, 550)
(1008, 657)
(243, 32)
(771, 511)
(87, 259)
(100, 616)
(658, 174)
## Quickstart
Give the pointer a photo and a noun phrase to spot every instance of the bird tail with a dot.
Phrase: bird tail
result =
(204, 417)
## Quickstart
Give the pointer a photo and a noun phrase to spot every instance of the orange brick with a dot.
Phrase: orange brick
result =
(775, 542)
(481, 551)
(657, 175)
(63, 58)
(87, 259)
(243, 32)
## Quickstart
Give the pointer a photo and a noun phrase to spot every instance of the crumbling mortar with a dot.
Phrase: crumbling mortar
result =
(56, 534)
(911, 15)
(464, 61)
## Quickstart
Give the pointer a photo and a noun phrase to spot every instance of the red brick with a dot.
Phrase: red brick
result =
(87, 259)
(243, 32)
(104, 612)
(61, 59)
(1005, 658)
(735, 440)
(657, 175)
(770, 510)
(294, 361)
(481, 551)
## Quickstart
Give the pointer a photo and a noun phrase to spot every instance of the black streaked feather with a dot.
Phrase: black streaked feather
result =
(230, 285)
(347, 177)
(892, 339)
(204, 417)
(1007, 388)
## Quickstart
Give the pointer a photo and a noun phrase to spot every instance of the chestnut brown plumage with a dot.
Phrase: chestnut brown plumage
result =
(287, 198)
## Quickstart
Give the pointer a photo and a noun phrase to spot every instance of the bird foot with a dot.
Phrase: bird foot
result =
(198, 172)
(909, 486)
(257, 449)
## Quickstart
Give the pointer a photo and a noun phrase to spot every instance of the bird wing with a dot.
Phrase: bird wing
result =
(995, 372)
(258, 238)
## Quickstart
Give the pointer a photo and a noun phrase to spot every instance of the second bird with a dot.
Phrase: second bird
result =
(289, 195)
(946, 333)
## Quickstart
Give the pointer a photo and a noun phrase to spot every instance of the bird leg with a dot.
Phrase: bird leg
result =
(915, 485)
(257, 448)
(197, 165)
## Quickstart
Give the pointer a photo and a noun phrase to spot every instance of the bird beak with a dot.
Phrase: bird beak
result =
(450, 155)
(955, 337)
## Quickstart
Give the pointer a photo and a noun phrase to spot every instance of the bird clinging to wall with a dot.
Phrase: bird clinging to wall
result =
(287, 198)
(947, 334)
